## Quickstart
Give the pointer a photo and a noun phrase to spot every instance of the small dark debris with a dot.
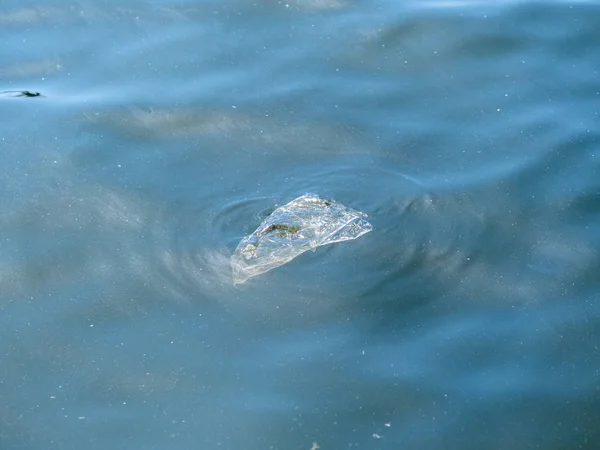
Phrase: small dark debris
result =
(21, 93)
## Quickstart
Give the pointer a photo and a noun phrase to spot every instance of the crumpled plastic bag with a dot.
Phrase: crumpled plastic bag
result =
(303, 224)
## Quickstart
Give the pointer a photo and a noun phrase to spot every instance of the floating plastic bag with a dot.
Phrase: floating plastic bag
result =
(303, 224)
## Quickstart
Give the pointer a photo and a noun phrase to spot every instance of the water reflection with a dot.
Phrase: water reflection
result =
(267, 130)
(139, 12)
(45, 66)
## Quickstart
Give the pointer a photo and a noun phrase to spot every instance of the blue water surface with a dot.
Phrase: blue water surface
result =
(165, 131)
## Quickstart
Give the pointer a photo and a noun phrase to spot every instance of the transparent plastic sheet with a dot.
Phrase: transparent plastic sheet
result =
(303, 224)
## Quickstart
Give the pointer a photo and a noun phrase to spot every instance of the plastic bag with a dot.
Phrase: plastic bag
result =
(302, 224)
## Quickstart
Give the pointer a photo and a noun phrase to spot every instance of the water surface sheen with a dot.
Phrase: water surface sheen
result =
(165, 131)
